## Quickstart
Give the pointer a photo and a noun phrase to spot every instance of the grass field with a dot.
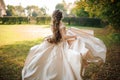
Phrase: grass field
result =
(16, 40)
(12, 33)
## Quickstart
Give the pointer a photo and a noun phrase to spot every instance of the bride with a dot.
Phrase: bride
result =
(64, 54)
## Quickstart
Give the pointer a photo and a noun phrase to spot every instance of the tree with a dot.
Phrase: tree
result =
(80, 9)
(108, 9)
(35, 11)
(10, 10)
(31, 9)
(34, 14)
(81, 13)
(8, 13)
(43, 10)
(104, 9)
(19, 11)
(61, 6)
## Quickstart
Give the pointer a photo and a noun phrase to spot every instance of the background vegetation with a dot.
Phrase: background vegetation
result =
(108, 10)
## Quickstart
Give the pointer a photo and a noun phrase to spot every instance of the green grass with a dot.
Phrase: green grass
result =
(6, 34)
(13, 51)
(14, 48)
(12, 58)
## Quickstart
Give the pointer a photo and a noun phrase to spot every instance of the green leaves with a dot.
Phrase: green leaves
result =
(104, 9)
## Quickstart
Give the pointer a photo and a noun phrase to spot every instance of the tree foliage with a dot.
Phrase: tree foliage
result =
(19, 10)
(35, 11)
(80, 9)
(28, 11)
(10, 10)
(62, 7)
(81, 12)
(15, 10)
(109, 9)
(105, 9)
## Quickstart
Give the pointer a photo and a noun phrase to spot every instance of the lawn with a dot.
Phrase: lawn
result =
(16, 40)
(12, 33)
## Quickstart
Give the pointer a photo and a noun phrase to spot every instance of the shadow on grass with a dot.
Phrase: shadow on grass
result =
(12, 58)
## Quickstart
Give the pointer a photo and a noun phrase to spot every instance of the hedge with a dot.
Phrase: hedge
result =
(13, 20)
(43, 20)
(94, 22)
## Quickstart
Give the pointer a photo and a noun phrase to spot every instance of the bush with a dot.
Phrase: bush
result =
(43, 20)
(115, 37)
(94, 22)
(73, 21)
(77, 21)
(13, 20)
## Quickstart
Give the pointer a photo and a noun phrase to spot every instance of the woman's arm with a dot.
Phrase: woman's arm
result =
(64, 36)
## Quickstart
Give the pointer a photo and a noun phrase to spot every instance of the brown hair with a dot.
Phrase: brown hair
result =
(56, 16)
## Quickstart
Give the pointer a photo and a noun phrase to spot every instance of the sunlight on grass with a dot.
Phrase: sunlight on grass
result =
(12, 33)
(6, 34)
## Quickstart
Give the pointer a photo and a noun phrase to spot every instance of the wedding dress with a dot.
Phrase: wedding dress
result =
(62, 61)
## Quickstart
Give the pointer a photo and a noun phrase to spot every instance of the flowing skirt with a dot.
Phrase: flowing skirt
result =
(48, 61)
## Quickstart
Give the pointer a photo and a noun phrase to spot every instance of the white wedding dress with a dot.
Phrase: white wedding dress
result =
(48, 61)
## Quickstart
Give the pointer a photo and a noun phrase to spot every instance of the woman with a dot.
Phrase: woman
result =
(64, 55)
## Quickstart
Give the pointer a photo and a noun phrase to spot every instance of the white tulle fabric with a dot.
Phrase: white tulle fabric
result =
(62, 62)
